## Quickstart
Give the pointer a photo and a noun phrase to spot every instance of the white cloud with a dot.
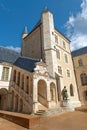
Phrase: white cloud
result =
(17, 49)
(77, 28)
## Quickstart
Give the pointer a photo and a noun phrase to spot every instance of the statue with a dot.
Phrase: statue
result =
(64, 93)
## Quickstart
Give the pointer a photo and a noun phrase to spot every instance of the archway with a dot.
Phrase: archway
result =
(42, 92)
(3, 99)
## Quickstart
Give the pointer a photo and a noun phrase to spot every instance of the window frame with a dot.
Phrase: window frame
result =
(5, 73)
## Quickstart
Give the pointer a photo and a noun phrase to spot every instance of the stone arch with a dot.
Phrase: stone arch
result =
(52, 92)
(71, 90)
(42, 92)
(3, 98)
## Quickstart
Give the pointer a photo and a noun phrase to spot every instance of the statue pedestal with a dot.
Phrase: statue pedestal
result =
(67, 105)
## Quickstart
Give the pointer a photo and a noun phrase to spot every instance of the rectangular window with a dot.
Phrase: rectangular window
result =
(59, 70)
(68, 73)
(64, 45)
(80, 62)
(58, 54)
(56, 38)
(18, 79)
(66, 58)
(86, 95)
(5, 73)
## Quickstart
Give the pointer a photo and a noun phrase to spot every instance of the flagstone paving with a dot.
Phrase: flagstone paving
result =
(67, 121)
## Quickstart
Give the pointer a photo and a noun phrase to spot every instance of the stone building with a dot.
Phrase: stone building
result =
(31, 86)
(80, 66)
(47, 43)
(7, 58)
(44, 68)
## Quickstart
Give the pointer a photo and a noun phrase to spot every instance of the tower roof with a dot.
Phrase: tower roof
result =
(25, 30)
(46, 9)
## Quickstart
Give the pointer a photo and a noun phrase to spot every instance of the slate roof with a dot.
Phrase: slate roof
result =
(7, 55)
(80, 51)
(26, 63)
(10, 56)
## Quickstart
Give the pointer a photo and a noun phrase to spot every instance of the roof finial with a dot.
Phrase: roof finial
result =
(25, 33)
(25, 30)
(46, 9)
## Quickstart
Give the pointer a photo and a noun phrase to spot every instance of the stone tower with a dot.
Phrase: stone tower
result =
(48, 40)
(47, 43)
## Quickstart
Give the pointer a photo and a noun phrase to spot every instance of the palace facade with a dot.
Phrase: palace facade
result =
(80, 66)
(44, 68)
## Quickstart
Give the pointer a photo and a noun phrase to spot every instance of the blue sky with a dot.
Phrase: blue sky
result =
(70, 17)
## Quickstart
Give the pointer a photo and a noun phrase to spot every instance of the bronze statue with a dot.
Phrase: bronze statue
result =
(64, 93)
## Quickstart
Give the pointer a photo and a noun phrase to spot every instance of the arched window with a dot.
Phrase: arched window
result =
(83, 77)
(71, 90)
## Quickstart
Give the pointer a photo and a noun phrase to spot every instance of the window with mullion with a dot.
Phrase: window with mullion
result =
(5, 73)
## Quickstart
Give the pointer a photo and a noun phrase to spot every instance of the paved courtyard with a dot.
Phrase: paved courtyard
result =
(66, 121)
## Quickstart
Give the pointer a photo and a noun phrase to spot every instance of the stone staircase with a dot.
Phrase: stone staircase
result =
(52, 112)
(49, 112)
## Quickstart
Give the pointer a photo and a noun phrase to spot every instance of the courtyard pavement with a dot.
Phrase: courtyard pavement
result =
(67, 121)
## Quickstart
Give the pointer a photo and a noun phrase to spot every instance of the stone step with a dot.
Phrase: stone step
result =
(48, 112)
(51, 112)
